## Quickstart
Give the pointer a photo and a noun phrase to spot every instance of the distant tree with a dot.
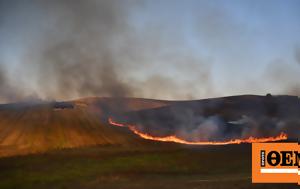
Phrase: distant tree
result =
(269, 95)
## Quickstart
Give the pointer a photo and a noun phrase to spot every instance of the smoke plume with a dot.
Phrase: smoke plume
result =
(63, 49)
(89, 48)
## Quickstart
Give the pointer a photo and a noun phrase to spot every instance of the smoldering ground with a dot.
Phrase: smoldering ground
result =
(221, 119)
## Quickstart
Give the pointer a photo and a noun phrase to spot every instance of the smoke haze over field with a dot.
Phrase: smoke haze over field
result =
(152, 49)
(220, 119)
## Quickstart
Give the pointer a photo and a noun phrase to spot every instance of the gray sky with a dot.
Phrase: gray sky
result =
(152, 49)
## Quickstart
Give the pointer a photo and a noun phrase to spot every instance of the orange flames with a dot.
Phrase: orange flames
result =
(175, 139)
(112, 122)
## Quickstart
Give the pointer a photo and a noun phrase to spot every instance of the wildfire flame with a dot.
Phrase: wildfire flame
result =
(175, 139)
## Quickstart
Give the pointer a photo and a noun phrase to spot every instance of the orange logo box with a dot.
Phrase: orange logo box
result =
(275, 163)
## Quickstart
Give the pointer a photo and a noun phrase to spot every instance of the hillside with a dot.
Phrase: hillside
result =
(221, 118)
(41, 126)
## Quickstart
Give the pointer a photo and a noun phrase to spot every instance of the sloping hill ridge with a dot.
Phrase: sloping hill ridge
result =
(34, 127)
(234, 117)
(40, 126)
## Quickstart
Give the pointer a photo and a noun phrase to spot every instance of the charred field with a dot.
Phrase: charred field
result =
(72, 145)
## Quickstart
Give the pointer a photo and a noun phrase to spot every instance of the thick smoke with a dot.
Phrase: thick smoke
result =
(222, 119)
(62, 49)
(72, 48)
(78, 56)
(90, 48)
(7, 92)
